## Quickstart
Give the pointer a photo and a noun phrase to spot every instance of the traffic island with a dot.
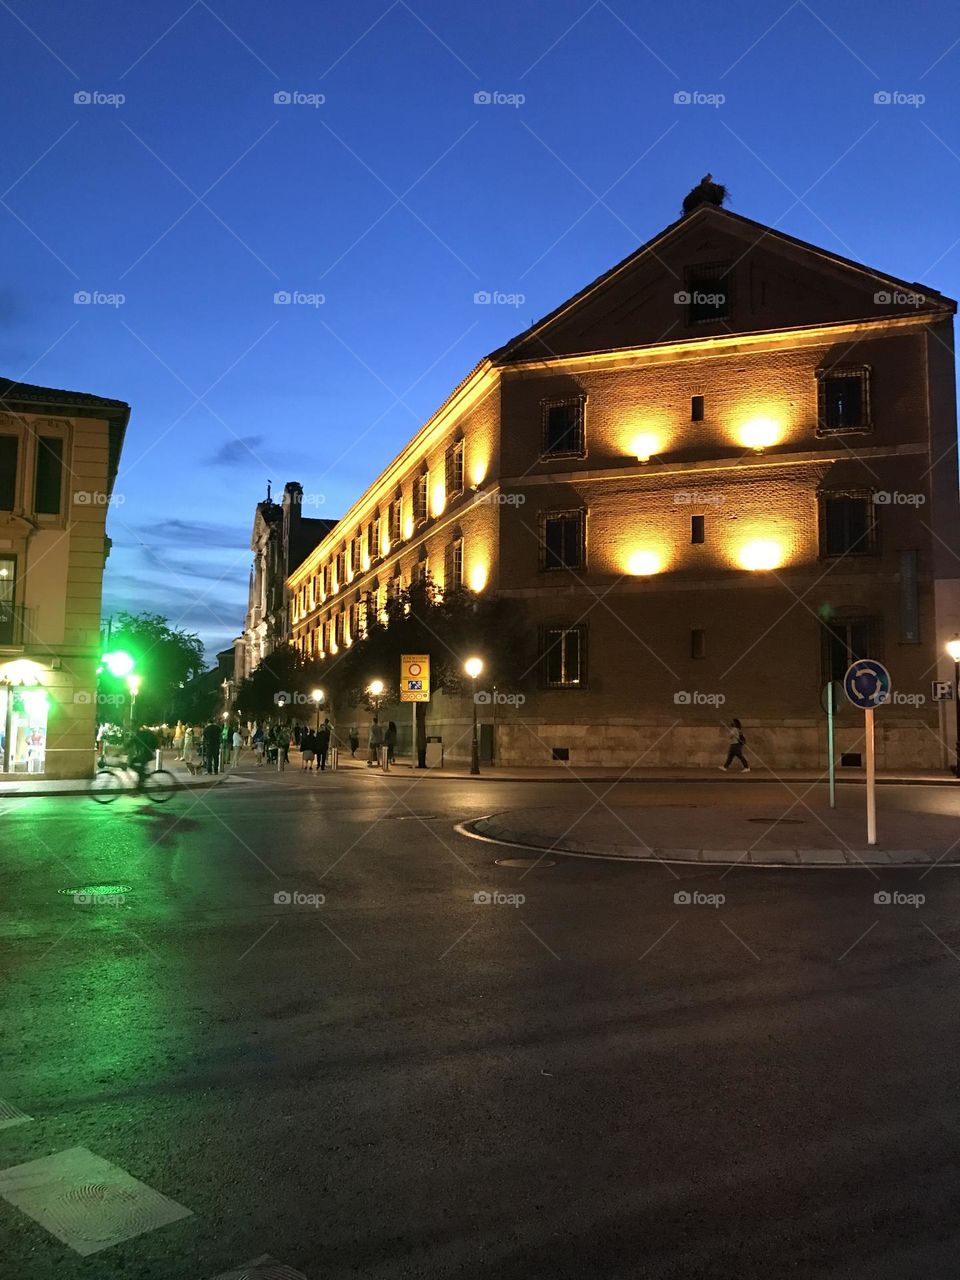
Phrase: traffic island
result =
(748, 835)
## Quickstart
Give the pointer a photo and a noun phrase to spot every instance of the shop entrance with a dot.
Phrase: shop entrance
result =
(23, 725)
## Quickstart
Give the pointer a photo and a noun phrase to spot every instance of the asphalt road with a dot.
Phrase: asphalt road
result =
(402, 1081)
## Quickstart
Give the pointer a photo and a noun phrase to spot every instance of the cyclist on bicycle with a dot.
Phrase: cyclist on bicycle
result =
(141, 748)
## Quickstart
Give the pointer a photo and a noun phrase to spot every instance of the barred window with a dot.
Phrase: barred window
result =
(562, 541)
(396, 521)
(843, 400)
(420, 571)
(563, 657)
(847, 640)
(562, 428)
(453, 476)
(708, 292)
(847, 524)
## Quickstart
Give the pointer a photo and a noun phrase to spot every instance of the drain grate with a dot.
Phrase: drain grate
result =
(525, 862)
(779, 822)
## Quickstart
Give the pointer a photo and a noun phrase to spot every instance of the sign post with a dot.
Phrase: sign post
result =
(414, 688)
(828, 700)
(867, 686)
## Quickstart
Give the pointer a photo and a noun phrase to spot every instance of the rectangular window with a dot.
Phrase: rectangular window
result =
(698, 643)
(697, 530)
(847, 641)
(843, 400)
(909, 598)
(563, 657)
(341, 570)
(562, 543)
(562, 428)
(696, 408)
(420, 571)
(847, 524)
(49, 476)
(453, 565)
(356, 555)
(326, 581)
(708, 292)
(8, 571)
(421, 486)
(453, 471)
(9, 447)
(396, 521)
(338, 630)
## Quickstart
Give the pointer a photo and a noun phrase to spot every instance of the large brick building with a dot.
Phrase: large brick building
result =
(59, 453)
(711, 479)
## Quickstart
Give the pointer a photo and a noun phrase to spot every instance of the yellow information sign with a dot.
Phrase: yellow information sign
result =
(415, 677)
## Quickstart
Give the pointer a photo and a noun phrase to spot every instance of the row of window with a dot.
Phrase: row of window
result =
(47, 474)
(563, 650)
(843, 404)
(368, 546)
(351, 621)
(848, 526)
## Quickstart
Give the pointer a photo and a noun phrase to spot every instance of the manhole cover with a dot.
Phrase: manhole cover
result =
(526, 862)
(97, 890)
(779, 822)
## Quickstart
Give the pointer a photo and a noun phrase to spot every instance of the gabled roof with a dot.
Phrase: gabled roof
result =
(705, 213)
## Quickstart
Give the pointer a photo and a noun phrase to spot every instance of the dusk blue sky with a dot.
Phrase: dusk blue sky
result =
(398, 199)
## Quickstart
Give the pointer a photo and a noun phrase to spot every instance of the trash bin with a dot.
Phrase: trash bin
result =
(434, 753)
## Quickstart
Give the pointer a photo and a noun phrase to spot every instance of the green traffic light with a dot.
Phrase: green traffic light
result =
(119, 663)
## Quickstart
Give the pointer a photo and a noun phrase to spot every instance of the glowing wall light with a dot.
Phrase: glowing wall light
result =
(760, 433)
(644, 445)
(408, 527)
(21, 671)
(761, 553)
(478, 577)
(643, 563)
(439, 498)
(478, 471)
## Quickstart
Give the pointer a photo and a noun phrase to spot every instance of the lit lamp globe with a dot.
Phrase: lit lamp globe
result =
(473, 667)
(317, 695)
(376, 688)
(953, 649)
(133, 684)
(118, 664)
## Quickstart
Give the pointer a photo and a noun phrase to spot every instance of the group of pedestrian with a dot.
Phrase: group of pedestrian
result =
(315, 746)
(379, 737)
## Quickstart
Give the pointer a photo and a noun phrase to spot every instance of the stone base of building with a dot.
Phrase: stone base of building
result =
(900, 745)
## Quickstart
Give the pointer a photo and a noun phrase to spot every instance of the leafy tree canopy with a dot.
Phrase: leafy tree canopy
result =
(165, 658)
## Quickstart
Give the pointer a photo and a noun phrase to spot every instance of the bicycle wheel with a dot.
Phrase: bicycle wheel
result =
(105, 786)
(159, 785)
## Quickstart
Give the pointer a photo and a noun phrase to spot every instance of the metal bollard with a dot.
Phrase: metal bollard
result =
(158, 758)
(333, 758)
(385, 759)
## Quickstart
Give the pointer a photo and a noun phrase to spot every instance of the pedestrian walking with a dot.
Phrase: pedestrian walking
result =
(354, 739)
(178, 739)
(736, 744)
(390, 741)
(258, 745)
(323, 743)
(374, 743)
(308, 749)
(281, 739)
(237, 743)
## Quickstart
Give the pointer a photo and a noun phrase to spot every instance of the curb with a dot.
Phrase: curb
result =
(494, 832)
(84, 793)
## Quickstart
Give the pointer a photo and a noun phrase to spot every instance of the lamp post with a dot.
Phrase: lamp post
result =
(953, 649)
(473, 667)
(317, 698)
(133, 684)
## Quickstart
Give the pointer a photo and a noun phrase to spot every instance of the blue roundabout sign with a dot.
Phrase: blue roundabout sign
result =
(867, 684)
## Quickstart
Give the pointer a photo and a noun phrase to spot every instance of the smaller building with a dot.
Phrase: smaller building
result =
(281, 540)
(59, 454)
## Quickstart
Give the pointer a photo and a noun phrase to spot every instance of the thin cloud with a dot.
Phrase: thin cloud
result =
(237, 452)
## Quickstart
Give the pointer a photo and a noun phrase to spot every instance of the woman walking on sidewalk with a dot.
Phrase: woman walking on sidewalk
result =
(735, 749)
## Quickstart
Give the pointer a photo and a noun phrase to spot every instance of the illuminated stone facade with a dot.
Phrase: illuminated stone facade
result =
(710, 480)
(59, 453)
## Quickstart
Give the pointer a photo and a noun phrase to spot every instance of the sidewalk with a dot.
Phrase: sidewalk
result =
(750, 832)
(34, 786)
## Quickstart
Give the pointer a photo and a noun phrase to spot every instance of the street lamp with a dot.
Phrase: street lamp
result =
(118, 664)
(376, 692)
(317, 697)
(473, 667)
(953, 649)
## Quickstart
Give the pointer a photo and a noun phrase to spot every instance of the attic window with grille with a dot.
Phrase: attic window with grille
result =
(708, 292)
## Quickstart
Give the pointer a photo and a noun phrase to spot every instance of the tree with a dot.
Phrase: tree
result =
(450, 626)
(280, 682)
(165, 658)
